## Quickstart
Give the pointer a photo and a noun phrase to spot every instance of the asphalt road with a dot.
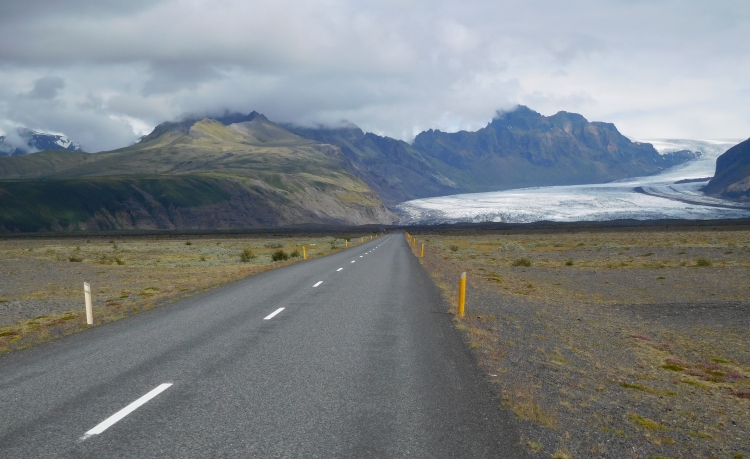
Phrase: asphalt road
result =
(362, 361)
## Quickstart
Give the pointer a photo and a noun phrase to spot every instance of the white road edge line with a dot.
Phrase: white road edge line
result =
(270, 316)
(339, 269)
(317, 283)
(110, 421)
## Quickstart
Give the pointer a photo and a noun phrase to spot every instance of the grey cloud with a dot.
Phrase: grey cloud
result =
(14, 11)
(11, 138)
(170, 77)
(392, 67)
(577, 47)
(46, 88)
(574, 102)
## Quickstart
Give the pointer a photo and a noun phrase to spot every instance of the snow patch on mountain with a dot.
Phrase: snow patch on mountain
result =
(23, 141)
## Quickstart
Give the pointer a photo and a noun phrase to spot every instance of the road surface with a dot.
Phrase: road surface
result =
(347, 356)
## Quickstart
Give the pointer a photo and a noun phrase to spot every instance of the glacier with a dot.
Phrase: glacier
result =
(672, 194)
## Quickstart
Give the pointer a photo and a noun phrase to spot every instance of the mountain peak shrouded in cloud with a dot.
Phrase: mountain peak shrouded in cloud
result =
(23, 141)
(518, 148)
(185, 122)
(243, 171)
(106, 72)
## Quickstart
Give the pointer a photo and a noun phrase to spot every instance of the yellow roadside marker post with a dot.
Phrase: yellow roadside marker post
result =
(346, 243)
(304, 253)
(462, 294)
(363, 239)
(421, 255)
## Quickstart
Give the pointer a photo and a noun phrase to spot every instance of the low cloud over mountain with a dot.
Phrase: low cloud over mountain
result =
(22, 141)
(105, 72)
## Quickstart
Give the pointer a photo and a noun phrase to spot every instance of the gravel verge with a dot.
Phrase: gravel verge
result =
(601, 359)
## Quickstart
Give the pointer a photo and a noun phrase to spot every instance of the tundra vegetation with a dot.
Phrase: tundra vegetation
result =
(630, 342)
(41, 279)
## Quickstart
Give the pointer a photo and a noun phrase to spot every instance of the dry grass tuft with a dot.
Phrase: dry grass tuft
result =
(646, 423)
(562, 454)
(525, 404)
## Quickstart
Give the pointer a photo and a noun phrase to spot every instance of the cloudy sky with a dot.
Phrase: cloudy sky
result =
(105, 72)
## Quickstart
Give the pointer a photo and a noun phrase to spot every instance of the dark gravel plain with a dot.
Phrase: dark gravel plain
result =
(612, 343)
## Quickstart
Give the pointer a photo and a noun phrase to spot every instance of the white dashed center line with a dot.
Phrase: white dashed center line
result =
(318, 283)
(110, 421)
(352, 261)
(339, 269)
(271, 315)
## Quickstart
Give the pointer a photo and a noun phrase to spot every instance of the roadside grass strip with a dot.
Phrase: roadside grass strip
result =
(110, 421)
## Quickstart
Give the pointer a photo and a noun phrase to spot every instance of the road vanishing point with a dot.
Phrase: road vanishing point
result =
(352, 355)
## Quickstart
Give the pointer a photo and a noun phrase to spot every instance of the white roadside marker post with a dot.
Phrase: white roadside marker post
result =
(89, 310)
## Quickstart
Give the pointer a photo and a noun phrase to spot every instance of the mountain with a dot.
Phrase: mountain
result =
(241, 170)
(36, 141)
(234, 172)
(732, 177)
(524, 148)
(520, 148)
(395, 170)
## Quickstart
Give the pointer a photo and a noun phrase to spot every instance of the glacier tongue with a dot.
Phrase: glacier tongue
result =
(641, 198)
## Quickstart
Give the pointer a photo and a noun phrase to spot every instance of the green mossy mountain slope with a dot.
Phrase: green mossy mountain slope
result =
(189, 175)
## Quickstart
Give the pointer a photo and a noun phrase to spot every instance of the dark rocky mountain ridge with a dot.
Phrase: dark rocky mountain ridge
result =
(732, 177)
(520, 148)
(394, 169)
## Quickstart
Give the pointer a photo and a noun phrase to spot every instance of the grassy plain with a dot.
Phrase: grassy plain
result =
(41, 279)
(612, 342)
